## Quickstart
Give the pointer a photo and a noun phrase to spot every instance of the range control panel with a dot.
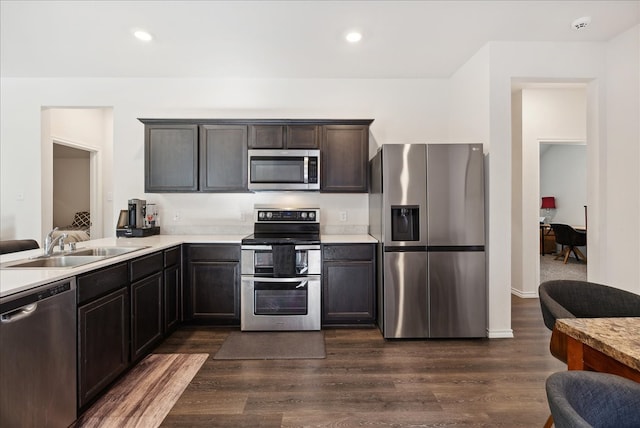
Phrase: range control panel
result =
(284, 215)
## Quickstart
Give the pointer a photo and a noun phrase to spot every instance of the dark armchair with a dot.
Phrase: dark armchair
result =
(570, 239)
(581, 399)
(14, 245)
(582, 299)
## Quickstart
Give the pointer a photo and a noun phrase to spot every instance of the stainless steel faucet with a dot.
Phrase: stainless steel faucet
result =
(50, 242)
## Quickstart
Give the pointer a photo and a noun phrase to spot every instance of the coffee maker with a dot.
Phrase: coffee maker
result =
(133, 222)
(137, 212)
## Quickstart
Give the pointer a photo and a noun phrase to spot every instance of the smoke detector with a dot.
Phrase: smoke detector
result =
(581, 23)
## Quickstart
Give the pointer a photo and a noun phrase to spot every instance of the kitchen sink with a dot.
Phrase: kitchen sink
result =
(53, 262)
(70, 259)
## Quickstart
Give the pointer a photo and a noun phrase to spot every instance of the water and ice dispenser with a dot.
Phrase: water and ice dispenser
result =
(405, 223)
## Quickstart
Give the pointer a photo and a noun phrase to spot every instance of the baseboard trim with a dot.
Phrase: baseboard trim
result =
(500, 334)
(525, 295)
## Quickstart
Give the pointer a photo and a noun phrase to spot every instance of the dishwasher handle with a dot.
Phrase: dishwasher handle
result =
(18, 314)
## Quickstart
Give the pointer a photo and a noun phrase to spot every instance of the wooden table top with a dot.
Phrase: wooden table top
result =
(618, 338)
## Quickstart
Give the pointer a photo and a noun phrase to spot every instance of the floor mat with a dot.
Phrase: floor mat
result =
(272, 346)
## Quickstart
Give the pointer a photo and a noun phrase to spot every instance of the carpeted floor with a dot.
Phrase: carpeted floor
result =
(556, 269)
(271, 345)
(144, 396)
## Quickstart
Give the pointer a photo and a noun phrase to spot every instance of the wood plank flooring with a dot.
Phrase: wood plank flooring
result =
(367, 381)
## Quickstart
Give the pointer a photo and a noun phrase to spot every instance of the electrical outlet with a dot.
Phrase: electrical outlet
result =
(343, 216)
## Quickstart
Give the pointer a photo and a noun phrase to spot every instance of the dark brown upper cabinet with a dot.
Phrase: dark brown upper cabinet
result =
(266, 137)
(345, 159)
(284, 136)
(171, 158)
(210, 155)
(223, 158)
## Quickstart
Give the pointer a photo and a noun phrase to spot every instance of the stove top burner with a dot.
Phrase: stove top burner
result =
(285, 226)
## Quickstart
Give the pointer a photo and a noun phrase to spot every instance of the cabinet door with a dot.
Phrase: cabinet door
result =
(171, 158)
(223, 158)
(103, 343)
(266, 136)
(348, 292)
(171, 298)
(215, 291)
(146, 314)
(345, 157)
(303, 136)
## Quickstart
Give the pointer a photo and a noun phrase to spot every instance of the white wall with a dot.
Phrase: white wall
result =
(620, 203)
(563, 174)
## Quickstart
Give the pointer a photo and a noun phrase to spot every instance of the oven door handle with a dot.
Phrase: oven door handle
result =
(257, 247)
(301, 279)
(302, 284)
(307, 247)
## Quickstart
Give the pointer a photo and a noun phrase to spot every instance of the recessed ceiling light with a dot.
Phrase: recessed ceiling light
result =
(143, 35)
(581, 23)
(354, 36)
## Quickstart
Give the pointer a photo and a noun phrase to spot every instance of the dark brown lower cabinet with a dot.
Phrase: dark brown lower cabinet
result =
(146, 315)
(103, 343)
(212, 283)
(348, 284)
(171, 298)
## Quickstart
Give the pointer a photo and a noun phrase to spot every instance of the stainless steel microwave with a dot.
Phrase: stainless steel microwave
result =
(284, 169)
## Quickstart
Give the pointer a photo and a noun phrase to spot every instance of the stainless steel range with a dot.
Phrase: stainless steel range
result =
(281, 267)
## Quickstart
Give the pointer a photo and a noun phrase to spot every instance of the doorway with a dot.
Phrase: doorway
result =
(88, 131)
(563, 176)
(541, 112)
(72, 190)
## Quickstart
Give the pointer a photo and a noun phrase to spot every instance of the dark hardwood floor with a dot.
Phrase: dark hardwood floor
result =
(367, 381)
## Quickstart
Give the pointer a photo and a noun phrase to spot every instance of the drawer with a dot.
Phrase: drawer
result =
(147, 265)
(171, 256)
(348, 252)
(217, 252)
(103, 281)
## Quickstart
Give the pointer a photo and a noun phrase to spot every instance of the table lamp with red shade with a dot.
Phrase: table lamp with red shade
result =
(549, 203)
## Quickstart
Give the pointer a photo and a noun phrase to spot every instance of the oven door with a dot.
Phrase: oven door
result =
(284, 170)
(259, 260)
(280, 303)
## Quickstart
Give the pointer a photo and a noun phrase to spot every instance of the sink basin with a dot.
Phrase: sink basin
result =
(103, 251)
(54, 262)
(70, 259)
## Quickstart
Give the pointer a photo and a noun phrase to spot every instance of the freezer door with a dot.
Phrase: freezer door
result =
(457, 294)
(405, 295)
(455, 194)
(404, 180)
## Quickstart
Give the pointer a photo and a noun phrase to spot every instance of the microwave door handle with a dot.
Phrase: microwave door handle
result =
(306, 169)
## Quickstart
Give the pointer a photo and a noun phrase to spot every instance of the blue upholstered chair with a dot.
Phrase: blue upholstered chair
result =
(581, 399)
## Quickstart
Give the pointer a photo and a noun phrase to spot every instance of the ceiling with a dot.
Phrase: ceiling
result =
(283, 39)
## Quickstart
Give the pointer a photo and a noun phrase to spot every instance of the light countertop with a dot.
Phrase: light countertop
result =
(13, 280)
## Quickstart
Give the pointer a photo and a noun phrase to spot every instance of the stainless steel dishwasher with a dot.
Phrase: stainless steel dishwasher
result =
(38, 356)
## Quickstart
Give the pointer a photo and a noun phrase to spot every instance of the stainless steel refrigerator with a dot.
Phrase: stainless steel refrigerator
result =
(426, 208)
